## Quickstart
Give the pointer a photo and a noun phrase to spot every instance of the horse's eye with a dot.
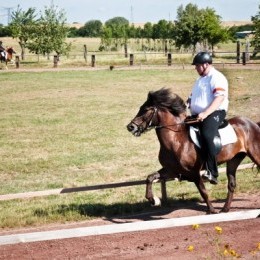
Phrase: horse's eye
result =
(147, 109)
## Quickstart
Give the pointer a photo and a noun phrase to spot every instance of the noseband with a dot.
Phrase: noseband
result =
(148, 123)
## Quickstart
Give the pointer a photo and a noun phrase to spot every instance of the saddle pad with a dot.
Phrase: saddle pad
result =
(227, 135)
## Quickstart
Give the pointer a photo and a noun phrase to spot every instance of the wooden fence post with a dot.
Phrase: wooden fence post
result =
(17, 61)
(169, 59)
(131, 59)
(238, 51)
(244, 57)
(93, 60)
(165, 48)
(55, 61)
(247, 50)
(85, 53)
(126, 53)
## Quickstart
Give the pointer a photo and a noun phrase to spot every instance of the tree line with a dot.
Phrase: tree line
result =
(47, 31)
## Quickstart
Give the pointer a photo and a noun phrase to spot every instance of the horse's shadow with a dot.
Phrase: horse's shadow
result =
(128, 212)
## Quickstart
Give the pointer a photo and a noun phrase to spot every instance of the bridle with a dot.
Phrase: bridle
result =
(169, 127)
(148, 122)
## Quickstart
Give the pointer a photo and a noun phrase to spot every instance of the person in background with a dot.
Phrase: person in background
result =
(2, 51)
(209, 103)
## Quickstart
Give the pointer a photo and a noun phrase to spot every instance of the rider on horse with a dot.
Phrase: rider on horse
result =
(2, 51)
(209, 102)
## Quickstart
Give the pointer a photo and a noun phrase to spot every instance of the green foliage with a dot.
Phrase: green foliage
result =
(256, 39)
(196, 25)
(148, 31)
(43, 35)
(50, 33)
(115, 33)
(163, 30)
(214, 33)
(5, 31)
(188, 26)
(23, 26)
(116, 21)
(92, 28)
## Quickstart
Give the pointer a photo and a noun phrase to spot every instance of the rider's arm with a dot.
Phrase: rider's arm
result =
(217, 101)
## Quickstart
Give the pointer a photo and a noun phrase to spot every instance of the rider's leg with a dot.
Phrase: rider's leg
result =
(209, 129)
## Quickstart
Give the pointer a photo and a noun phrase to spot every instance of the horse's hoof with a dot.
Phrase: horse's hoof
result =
(156, 202)
(212, 212)
(224, 210)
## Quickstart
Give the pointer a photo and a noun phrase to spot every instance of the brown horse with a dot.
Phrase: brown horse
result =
(180, 158)
(9, 55)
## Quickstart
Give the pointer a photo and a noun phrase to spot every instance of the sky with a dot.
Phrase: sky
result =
(135, 11)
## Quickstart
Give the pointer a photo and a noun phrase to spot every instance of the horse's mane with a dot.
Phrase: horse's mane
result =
(165, 98)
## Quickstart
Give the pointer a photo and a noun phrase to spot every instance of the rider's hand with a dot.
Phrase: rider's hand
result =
(202, 116)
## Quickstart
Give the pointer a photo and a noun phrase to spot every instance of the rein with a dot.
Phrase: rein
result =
(149, 123)
(186, 121)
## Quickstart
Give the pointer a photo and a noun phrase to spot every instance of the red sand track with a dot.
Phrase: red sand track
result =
(238, 238)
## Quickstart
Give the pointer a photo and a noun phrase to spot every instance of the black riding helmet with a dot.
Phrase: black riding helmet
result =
(201, 58)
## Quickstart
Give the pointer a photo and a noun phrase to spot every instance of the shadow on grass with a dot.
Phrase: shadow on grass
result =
(127, 212)
(141, 211)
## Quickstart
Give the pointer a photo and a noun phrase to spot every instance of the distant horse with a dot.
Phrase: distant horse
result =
(9, 55)
(180, 158)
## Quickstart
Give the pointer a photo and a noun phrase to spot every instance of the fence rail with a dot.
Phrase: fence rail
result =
(94, 59)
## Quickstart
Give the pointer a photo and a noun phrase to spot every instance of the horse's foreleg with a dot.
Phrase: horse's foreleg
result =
(155, 201)
(231, 176)
(203, 192)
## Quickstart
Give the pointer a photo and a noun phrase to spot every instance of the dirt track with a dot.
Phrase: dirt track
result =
(238, 238)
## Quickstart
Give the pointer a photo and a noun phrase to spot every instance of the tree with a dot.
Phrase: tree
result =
(73, 32)
(106, 38)
(147, 33)
(213, 32)
(188, 27)
(116, 21)
(119, 29)
(22, 26)
(50, 33)
(201, 26)
(92, 28)
(5, 31)
(256, 40)
(163, 30)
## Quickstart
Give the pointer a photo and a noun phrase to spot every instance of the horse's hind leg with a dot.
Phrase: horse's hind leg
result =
(231, 175)
(154, 177)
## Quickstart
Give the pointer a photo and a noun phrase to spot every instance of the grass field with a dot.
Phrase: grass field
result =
(68, 128)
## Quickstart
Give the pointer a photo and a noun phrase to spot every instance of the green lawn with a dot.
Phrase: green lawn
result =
(68, 128)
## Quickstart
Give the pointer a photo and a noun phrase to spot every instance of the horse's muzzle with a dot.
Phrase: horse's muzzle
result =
(134, 129)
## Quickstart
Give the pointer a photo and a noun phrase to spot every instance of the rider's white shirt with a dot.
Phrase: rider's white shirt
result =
(206, 89)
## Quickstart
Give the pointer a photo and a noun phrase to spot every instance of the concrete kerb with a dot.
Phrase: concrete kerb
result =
(127, 227)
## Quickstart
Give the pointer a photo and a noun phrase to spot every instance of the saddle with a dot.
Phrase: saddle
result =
(226, 134)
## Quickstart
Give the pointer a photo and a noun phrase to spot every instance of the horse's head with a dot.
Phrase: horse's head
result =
(10, 50)
(148, 114)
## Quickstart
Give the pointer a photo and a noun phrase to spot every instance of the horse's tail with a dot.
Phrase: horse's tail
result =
(258, 166)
